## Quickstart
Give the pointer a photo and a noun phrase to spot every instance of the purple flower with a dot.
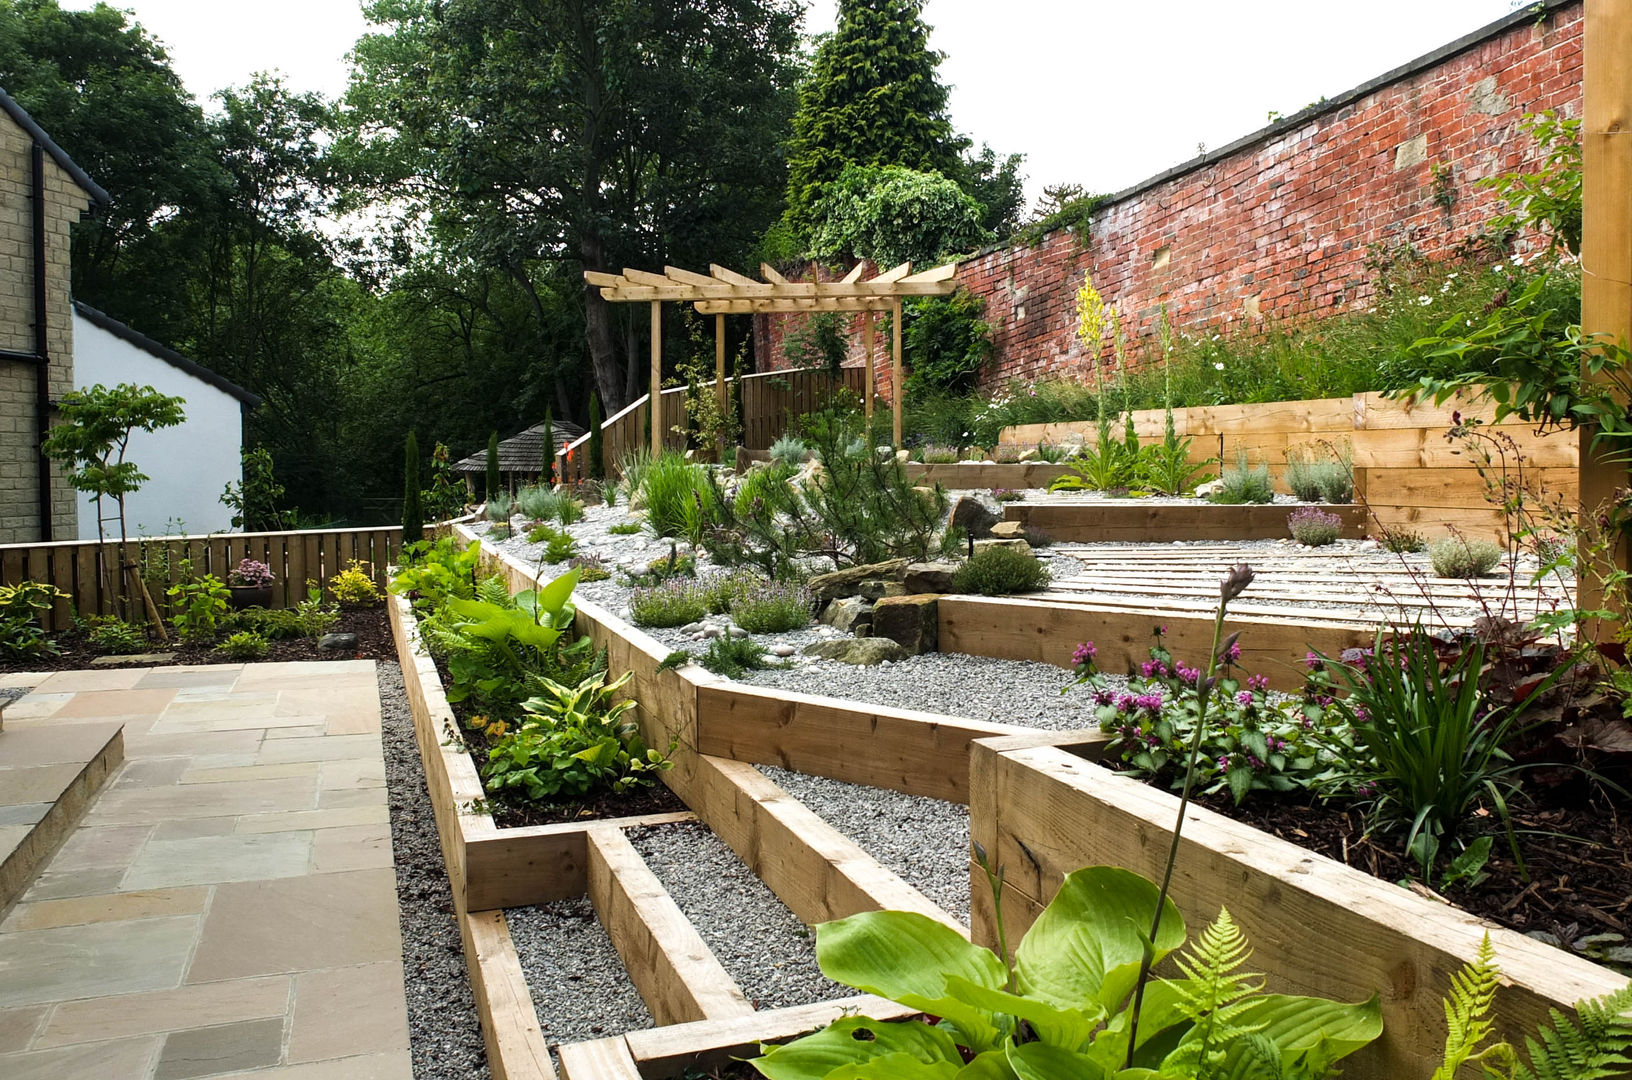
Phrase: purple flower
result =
(1362, 715)
(1084, 654)
(1233, 653)
(1258, 682)
(1124, 702)
(1151, 701)
(1102, 697)
(1224, 762)
(1188, 674)
(1244, 698)
(1252, 759)
(1153, 669)
(1311, 660)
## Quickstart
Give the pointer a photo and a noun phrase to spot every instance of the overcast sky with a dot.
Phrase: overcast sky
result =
(1093, 92)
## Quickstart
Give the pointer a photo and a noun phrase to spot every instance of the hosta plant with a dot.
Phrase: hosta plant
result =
(1059, 1008)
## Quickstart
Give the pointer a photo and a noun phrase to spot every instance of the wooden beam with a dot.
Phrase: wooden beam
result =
(893, 274)
(515, 1041)
(768, 272)
(729, 276)
(687, 277)
(896, 394)
(867, 347)
(598, 1059)
(769, 305)
(944, 272)
(655, 402)
(596, 277)
(855, 273)
(827, 290)
(674, 971)
(642, 277)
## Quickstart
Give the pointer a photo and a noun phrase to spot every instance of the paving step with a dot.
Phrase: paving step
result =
(49, 774)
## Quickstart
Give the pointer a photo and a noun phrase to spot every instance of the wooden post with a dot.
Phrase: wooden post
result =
(656, 402)
(895, 358)
(1606, 230)
(867, 347)
(719, 375)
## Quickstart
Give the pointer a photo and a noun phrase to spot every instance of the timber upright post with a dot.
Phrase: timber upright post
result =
(1606, 232)
(656, 401)
(719, 376)
(867, 347)
(895, 360)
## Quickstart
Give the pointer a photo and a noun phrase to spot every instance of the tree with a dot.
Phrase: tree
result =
(547, 471)
(413, 513)
(894, 215)
(874, 97)
(999, 188)
(597, 438)
(493, 483)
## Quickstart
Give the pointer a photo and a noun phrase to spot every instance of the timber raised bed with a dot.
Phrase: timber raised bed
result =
(1142, 521)
(1316, 926)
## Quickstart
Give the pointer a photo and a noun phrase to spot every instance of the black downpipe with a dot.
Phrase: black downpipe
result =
(42, 370)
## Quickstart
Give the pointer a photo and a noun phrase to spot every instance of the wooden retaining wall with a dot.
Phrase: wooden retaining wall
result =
(1315, 925)
(1406, 471)
(1138, 521)
(295, 558)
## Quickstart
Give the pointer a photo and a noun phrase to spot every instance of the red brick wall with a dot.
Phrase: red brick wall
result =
(1280, 226)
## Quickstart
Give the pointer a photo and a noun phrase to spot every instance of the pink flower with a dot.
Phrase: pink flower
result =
(1244, 698)
(1258, 682)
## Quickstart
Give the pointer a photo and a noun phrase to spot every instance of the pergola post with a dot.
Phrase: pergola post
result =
(655, 402)
(719, 374)
(867, 347)
(895, 359)
(1606, 232)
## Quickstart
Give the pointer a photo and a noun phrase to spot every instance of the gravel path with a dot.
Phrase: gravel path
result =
(444, 1034)
(580, 989)
(13, 693)
(924, 840)
(760, 943)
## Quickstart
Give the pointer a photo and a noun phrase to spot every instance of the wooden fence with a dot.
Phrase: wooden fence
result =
(295, 558)
(1405, 469)
(770, 399)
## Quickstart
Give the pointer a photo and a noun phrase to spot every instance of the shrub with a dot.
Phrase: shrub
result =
(1245, 483)
(537, 503)
(569, 511)
(499, 508)
(1036, 537)
(940, 455)
(244, 645)
(672, 565)
(949, 342)
(773, 609)
(726, 589)
(1004, 495)
(1005, 454)
(998, 571)
(1402, 540)
(1314, 480)
(672, 488)
(674, 602)
(201, 605)
(789, 450)
(413, 512)
(113, 635)
(559, 548)
(624, 528)
(1457, 557)
(274, 624)
(1314, 527)
(21, 606)
(769, 485)
(734, 657)
(354, 586)
(589, 568)
(316, 618)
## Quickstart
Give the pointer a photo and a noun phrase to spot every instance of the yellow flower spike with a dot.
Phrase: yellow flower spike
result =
(1091, 315)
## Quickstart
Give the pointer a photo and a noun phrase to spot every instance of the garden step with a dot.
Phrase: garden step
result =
(49, 773)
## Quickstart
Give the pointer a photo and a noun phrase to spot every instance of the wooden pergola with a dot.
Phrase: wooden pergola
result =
(723, 292)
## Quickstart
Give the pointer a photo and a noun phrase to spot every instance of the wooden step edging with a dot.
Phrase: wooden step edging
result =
(1316, 926)
(1137, 521)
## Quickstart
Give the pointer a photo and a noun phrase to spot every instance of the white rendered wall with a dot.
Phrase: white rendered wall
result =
(189, 464)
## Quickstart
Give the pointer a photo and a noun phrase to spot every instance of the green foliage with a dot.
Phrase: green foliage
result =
(314, 616)
(1402, 539)
(1547, 200)
(93, 433)
(571, 742)
(1061, 1009)
(1313, 527)
(1316, 478)
(1460, 557)
(432, 573)
(997, 186)
(445, 498)
(1245, 483)
(734, 657)
(200, 607)
(892, 215)
(492, 482)
(1467, 1012)
(413, 512)
(354, 586)
(820, 339)
(243, 645)
(21, 605)
(773, 608)
(999, 571)
(624, 528)
(254, 502)
(675, 491)
(589, 568)
(788, 451)
(597, 438)
(538, 503)
(947, 341)
(499, 509)
(547, 466)
(274, 624)
(113, 635)
(673, 602)
(569, 511)
(1110, 464)
(1063, 206)
(873, 98)
(497, 645)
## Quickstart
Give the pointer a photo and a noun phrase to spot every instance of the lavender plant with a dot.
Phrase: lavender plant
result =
(1314, 527)
(675, 601)
(774, 608)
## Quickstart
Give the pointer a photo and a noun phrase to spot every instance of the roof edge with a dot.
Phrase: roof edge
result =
(165, 353)
(58, 154)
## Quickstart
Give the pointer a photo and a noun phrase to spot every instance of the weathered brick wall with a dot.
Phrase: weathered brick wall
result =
(1279, 224)
(19, 455)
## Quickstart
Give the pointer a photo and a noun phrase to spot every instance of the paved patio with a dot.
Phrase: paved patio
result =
(228, 905)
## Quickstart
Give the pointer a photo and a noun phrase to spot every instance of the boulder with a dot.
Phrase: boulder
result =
(912, 622)
(1018, 545)
(1204, 490)
(828, 587)
(863, 652)
(879, 588)
(929, 577)
(972, 516)
(337, 643)
(846, 612)
(1009, 530)
(903, 456)
(1029, 455)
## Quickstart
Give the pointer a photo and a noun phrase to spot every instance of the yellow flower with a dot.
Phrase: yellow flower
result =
(1091, 313)
(495, 729)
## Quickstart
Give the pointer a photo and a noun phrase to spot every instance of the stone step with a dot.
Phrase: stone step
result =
(49, 774)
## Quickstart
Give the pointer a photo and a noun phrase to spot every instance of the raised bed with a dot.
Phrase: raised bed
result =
(1316, 926)
(1141, 521)
(972, 475)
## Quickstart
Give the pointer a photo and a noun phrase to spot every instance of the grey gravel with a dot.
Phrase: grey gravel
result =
(924, 840)
(580, 989)
(759, 942)
(444, 1033)
(13, 693)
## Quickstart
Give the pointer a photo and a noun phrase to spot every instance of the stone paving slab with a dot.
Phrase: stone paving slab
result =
(228, 906)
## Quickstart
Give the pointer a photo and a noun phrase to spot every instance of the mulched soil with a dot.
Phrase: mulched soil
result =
(373, 643)
(1578, 854)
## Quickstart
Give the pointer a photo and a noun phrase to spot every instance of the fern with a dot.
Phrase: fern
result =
(494, 590)
(1600, 1049)
(1215, 994)
(1467, 1014)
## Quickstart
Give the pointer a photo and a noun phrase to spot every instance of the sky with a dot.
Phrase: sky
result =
(1097, 93)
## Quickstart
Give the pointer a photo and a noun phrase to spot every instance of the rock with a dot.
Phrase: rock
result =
(912, 622)
(1029, 455)
(864, 630)
(972, 516)
(337, 643)
(133, 658)
(1009, 530)
(692, 628)
(783, 651)
(878, 588)
(929, 577)
(829, 587)
(711, 631)
(847, 612)
(863, 652)
(1017, 545)
(903, 456)
(1368, 545)
(737, 632)
(1204, 490)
